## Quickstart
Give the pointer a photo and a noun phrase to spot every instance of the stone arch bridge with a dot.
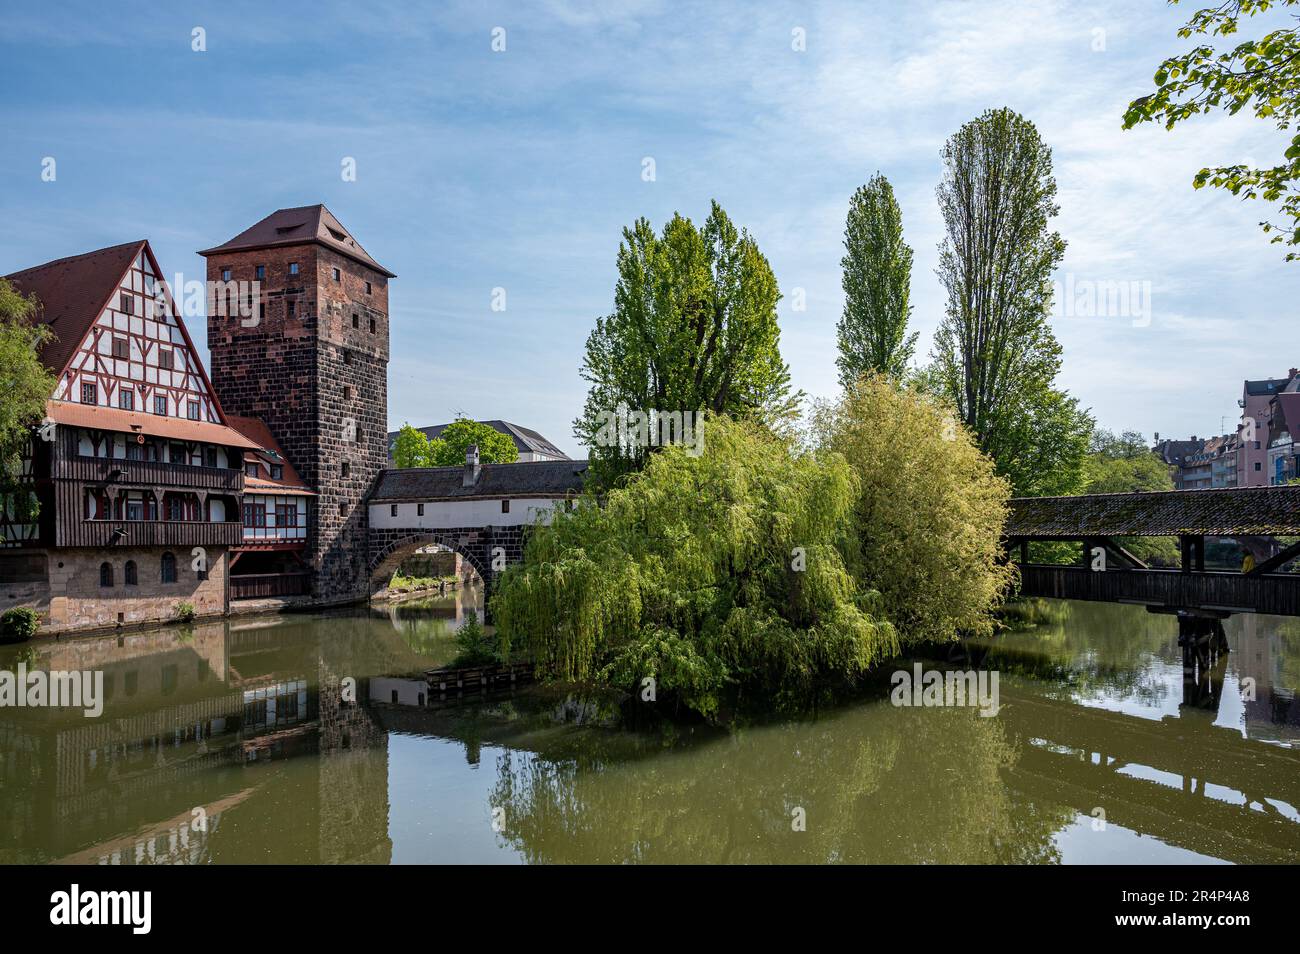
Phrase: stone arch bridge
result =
(481, 511)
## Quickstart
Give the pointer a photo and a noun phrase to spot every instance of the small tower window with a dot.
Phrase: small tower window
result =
(372, 326)
(356, 320)
(392, 510)
(261, 272)
(334, 273)
(419, 510)
(347, 469)
(293, 268)
(367, 288)
(505, 506)
(290, 307)
(225, 274)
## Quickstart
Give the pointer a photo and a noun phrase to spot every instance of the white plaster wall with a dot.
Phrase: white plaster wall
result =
(480, 512)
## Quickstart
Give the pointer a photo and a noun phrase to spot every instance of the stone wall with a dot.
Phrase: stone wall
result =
(77, 601)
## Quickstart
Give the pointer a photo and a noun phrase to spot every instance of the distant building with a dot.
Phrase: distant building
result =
(1252, 451)
(1198, 464)
(532, 446)
(1176, 454)
(1283, 434)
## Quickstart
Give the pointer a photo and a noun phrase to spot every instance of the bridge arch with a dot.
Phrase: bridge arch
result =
(392, 553)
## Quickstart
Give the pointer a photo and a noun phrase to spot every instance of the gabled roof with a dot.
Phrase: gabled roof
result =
(526, 439)
(548, 478)
(72, 292)
(268, 449)
(1266, 386)
(305, 225)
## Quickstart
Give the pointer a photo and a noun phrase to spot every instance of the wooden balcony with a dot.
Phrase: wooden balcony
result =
(148, 473)
(266, 585)
(73, 532)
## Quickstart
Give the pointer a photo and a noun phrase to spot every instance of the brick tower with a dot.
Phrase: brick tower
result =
(310, 359)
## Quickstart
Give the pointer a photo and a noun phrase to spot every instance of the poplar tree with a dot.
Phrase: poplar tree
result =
(877, 280)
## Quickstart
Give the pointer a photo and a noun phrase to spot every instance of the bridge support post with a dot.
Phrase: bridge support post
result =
(1204, 643)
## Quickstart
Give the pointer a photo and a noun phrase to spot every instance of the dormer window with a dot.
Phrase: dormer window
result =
(277, 471)
(250, 469)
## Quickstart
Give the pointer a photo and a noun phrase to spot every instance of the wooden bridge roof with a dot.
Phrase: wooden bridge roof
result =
(1224, 512)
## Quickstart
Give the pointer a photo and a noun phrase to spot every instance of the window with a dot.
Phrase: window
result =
(124, 303)
(347, 392)
(1257, 465)
(289, 307)
(367, 288)
(293, 268)
(126, 399)
(89, 394)
(134, 451)
(106, 574)
(176, 454)
(419, 510)
(134, 508)
(346, 469)
(193, 410)
(166, 359)
(372, 326)
(505, 506)
(334, 273)
(343, 509)
(121, 347)
(160, 404)
(210, 456)
(225, 274)
(286, 515)
(356, 320)
(250, 469)
(261, 310)
(129, 576)
(392, 510)
(168, 567)
(347, 356)
(261, 273)
(277, 471)
(254, 515)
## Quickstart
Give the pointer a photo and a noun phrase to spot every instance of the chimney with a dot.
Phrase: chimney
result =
(472, 467)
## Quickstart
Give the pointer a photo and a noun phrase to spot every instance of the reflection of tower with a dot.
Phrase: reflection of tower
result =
(353, 778)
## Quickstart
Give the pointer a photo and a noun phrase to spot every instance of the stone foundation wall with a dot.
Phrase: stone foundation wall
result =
(77, 601)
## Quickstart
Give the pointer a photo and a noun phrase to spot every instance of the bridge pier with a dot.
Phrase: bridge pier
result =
(1204, 644)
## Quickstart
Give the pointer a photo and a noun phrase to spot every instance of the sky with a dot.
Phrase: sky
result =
(479, 169)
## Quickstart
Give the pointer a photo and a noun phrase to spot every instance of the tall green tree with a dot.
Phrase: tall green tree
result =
(877, 281)
(414, 448)
(995, 354)
(25, 383)
(1262, 75)
(693, 330)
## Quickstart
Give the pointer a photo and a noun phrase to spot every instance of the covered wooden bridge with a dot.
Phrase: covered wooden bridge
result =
(1260, 520)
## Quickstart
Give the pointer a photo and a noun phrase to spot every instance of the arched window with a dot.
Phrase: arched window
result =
(106, 574)
(169, 567)
(129, 575)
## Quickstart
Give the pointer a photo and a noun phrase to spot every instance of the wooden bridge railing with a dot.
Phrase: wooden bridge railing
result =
(1275, 593)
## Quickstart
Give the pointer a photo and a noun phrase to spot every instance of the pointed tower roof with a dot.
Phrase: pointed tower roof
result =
(306, 224)
(72, 292)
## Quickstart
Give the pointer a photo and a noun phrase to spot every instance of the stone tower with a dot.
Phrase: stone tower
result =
(299, 339)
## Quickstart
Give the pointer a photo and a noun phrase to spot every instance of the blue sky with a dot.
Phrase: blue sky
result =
(479, 169)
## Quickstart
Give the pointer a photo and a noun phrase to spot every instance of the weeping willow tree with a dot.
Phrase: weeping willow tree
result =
(723, 569)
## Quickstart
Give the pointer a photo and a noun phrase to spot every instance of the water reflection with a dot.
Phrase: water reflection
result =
(238, 742)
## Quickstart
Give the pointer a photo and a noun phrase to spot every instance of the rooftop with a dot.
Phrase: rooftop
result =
(1230, 511)
(307, 224)
(549, 478)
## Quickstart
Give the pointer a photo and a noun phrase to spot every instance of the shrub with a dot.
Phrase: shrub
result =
(19, 625)
(929, 511)
(476, 647)
(184, 612)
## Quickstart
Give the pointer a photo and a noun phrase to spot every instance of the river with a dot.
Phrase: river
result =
(233, 742)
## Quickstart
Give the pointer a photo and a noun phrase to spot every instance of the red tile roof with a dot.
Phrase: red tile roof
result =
(72, 293)
(257, 432)
(312, 224)
(71, 414)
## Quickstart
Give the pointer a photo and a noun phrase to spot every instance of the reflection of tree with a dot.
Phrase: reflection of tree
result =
(876, 784)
